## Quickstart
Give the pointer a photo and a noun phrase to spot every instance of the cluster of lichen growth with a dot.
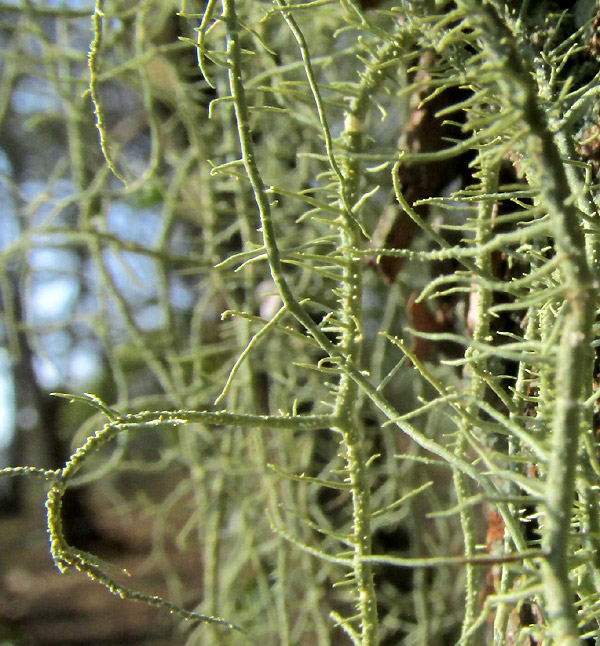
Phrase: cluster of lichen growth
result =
(274, 155)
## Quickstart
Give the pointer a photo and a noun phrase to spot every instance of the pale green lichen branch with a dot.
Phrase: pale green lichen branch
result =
(574, 353)
(93, 55)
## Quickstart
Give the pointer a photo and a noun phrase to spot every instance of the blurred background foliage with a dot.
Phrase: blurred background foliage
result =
(144, 283)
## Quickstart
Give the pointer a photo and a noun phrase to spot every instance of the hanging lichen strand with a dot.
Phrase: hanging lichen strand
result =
(362, 344)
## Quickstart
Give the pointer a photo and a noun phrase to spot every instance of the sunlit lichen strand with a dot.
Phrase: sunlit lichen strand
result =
(574, 352)
(350, 305)
(480, 303)
(66, 557)
(93, 56)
